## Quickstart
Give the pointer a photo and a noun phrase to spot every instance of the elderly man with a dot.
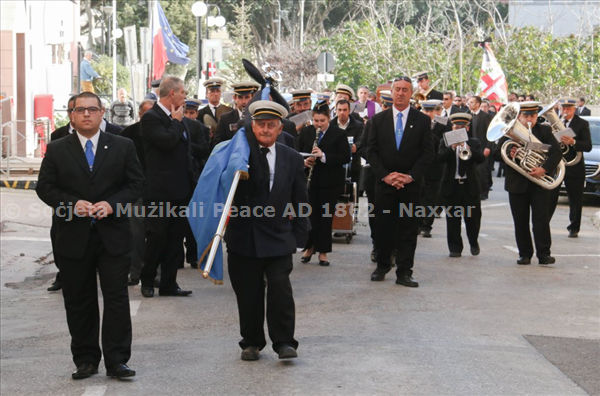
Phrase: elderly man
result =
(400, 148)
(260, 248)
(87, 74)
(121, 111)
(170, 180)
(371, 107)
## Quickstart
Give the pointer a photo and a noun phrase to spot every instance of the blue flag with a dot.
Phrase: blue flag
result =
(175, 49)
(206, 206)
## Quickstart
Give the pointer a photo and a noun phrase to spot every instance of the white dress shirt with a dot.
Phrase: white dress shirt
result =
(83, 140)
(271, 157)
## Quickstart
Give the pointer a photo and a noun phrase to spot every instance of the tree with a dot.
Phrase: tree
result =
(241, 36)
(104, 67)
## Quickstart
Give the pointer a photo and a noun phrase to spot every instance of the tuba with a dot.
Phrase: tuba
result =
(505, 123)
(556, 124)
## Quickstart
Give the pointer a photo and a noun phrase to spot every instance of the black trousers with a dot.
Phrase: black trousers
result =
(574, 187)
(532, 204)
(191, 248)
(247, 275)
(471, 205)
(80, 292)
(431, 197)
(138, 231)
(164, 246)
(53, 230)
(395, 231)
(321, 218)
(485, 176)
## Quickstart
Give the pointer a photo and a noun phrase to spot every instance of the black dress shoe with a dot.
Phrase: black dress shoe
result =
(426, 233)
(305, 259)
(484, 197)
(193, 264)
(287, 352)
(323, 263)
(176, 293)
(475, 250)
(524, 261)
(454, 254)
(133, 281)
(120, 371)
(55, 286)
(573, 234)
(147, 291)
(374, 255)
(84, 370)
(250, 353)
(407, 280)
(379, 274)
(546, 260)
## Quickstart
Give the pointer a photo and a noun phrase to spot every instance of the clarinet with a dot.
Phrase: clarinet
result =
(312, 168)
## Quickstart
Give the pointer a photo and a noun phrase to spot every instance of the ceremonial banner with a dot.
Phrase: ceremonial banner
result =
(166, 46)
(493, 83)
(206, 207)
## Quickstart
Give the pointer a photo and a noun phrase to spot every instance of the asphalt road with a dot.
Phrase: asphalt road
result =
(476, 326)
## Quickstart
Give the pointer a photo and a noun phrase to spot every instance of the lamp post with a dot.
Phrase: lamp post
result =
(200, 9)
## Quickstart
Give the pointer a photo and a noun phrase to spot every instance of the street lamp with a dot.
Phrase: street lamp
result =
(200, 9)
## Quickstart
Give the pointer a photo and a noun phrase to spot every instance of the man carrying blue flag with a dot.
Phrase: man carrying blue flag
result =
(260, 245)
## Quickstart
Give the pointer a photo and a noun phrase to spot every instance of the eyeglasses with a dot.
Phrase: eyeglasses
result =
(82, 110)
(70, 110)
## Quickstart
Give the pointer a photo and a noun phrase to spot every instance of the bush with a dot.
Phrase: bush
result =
(104, 67)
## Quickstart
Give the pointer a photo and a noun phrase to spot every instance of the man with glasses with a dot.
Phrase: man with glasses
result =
(228, 124)
(400, 148)
(458, 102)
(169, 184)
(449, 107)
(86, 177)
(260, 248)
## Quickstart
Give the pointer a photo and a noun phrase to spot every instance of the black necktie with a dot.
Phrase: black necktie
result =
(461, 167)
(265, 151)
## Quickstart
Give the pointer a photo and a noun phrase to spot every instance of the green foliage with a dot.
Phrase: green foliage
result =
(60, 120)
(241, 36)
(104, 67)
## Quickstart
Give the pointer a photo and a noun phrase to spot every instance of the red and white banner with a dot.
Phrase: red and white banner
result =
(493, 82)
(212, 70)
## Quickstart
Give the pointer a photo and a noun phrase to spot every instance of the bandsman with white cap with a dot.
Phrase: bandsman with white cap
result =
(227, 126)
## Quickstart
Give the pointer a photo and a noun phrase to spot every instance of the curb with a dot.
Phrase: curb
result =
(19, 184)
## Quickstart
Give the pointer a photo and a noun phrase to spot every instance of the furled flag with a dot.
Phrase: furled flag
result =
(493, 83)
(206, 206)
(166, 46)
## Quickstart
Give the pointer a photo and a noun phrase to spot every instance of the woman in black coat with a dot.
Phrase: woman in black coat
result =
(331, 149)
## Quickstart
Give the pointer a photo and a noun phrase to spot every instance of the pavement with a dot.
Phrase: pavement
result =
(476, 325)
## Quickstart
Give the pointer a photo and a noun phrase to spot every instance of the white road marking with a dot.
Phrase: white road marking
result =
(493, 205)
(25, 239)
(95, 390)
(512, 249)
(133, 306)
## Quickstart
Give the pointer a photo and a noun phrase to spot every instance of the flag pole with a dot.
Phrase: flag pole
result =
(151, 24)
(222, 225)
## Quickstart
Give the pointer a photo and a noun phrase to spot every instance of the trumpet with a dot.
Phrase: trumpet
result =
(552, 119)
(312, 168)
(464, 152)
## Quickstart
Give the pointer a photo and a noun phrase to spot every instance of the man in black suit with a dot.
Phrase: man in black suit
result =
(138, 229)
(433, 174)
(261, 248)
(423, 84)
(354, 130)
(460, 189)
(210, 114)
(574, 175)
(479, 126)
(582, 110)
(448, 106)
(61, 132)
(170, 180)
(400, 148)
(528, 199)
(89, 177)
(228, 124)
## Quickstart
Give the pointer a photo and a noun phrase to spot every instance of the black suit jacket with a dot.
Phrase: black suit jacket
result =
(276, 235)
(447, 157)
(453, 109)
(515, 182)
(583, 143)
(435, 169)
(337, 153)
(65, 178)
(224, 131)
(584, 111)
(479, 127)
(169, 170)
(113, 128)
(221, 109)
(416, 150)
(134, 133)
(199, 145)
(60, 132)
(355, 130)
